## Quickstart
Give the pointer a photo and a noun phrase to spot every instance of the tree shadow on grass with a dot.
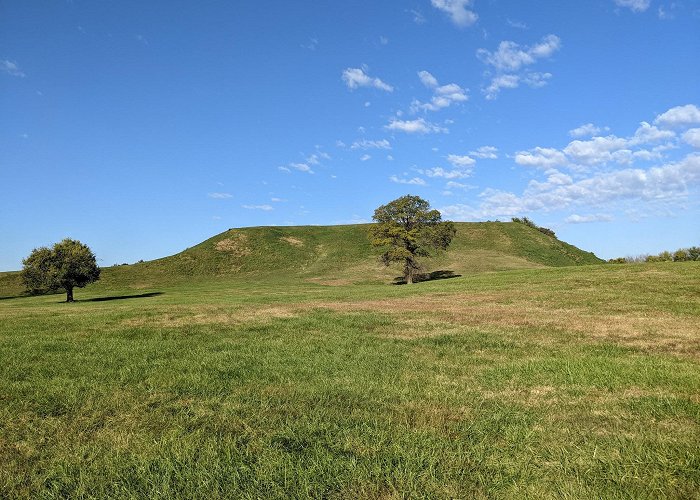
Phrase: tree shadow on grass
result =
(435, 275)
(122, 297)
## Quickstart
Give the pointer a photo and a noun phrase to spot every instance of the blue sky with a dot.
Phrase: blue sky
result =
(142, 128)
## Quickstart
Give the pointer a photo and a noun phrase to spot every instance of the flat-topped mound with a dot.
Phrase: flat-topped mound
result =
(343, 255)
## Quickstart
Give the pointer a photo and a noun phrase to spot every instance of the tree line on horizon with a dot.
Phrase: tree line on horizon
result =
(681, 255)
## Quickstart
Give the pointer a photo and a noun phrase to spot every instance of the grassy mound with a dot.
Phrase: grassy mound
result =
(342, 255)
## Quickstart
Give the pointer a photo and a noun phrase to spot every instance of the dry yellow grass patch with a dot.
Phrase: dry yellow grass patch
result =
(331, 281)
(650, 331)
(295, 242)
(236, 244)
(211, 316)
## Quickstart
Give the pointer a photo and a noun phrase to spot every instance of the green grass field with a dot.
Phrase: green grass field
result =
(541, 382)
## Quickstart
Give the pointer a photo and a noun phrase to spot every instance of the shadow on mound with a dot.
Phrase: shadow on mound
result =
(123, 297)
(435, 275)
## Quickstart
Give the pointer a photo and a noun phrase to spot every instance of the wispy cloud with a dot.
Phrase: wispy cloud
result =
(366, 144)
(301, 167)
(446, 174)
(583, 219)
(419, 126)
(357, 77)
(457, 11)
(443, 95)
(587, 130)
(461, 161)
(418, 16)
(634, 5)
(220, 196)
(11, 68)
(510, 61)
(485, 152)
(414, 181)
(365, 157)
(311, 44)
(511, 56)
(264, 208)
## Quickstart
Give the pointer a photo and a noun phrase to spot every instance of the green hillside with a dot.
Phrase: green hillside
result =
(333, 255)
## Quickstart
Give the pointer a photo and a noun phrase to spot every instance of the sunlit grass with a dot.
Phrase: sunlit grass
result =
(572, 382)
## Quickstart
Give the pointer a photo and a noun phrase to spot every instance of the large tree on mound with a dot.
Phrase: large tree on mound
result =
(406, 229)
(68, 264)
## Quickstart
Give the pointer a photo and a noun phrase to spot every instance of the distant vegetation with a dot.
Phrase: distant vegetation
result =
(528, 222)
(680, 255)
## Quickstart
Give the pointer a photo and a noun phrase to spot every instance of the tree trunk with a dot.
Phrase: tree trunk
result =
(408, 272)
(69, 295)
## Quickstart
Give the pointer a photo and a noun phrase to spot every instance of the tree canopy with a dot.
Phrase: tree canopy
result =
(406, 229)
(66, 265)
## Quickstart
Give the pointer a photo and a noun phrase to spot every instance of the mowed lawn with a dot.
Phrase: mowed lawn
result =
(570, 382)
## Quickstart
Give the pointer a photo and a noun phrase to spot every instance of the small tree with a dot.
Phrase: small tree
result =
(66, 265)
(407, 229)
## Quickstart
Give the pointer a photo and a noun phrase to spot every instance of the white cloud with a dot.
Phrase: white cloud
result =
(582, 219)
(219, 196)
(485, 152)
(458, 185)
(501, 82)
(427, 79)
(443, 95)
(446, 174)
(647, 143)
(11, 68)
(513, 81)
(265, 208)
(365, 157)
(679, 116)
(356, 77)
(634, 5)
(366, 144)
(415, 181)
(692, 137)
(662, 184)
(511, 56)
(457, 10)
(277, 200)
(419, 126)
(301, 167)
(509, 61)
(541, 157)
(587, 130)
(461, 161)
(647, 133)
(599, 150)
(536, 80)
